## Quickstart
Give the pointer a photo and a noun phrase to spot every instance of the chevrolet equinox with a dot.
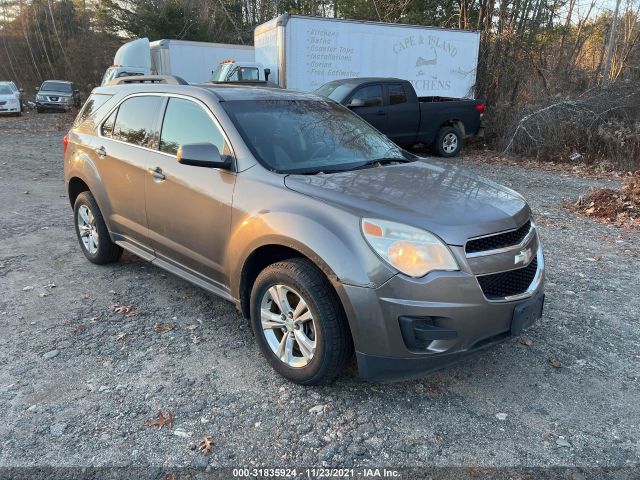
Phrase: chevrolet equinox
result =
(328, 237)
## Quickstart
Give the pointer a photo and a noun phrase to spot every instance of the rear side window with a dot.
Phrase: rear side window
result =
(397, 94)
(91, 106)
(371, 95)
(135, 120)
(241, 74)
(187, 122)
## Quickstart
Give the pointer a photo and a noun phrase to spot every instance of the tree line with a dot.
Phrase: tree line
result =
(529, 50)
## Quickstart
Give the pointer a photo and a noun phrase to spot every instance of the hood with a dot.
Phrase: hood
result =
(54, 93)
(440, 198)
(134, 54)
(8, 96)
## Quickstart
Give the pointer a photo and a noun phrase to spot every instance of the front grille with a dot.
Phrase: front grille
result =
(54, 99)
(500, 240)
(514, 282)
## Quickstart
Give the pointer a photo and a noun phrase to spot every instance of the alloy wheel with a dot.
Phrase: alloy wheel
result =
(450, 142)
(288, 326)
(88, 230)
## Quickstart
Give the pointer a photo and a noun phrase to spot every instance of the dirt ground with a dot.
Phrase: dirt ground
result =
(78, 380)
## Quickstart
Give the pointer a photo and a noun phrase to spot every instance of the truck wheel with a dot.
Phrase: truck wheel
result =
(92, 232)
(298, 323)
(448, 142)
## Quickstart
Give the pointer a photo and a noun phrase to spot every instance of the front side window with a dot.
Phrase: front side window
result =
(308, 136)
(135, 120)
(370, 96)
(396, 94)
(186, 122)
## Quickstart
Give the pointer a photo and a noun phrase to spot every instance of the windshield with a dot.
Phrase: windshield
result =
(219, 74)
(335, 91)
(5, 90)
(56, 87)
(309, 136)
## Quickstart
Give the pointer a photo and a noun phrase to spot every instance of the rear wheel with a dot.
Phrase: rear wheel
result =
(92, 232)
(448, 142)
(298, 322)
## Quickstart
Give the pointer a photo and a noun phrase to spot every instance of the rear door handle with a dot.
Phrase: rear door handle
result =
(157, 174)
(101, 152)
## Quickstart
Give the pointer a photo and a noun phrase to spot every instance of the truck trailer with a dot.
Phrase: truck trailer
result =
(192, 61)
(304, 53)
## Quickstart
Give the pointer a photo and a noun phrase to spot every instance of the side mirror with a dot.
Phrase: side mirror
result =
(356, 102)
(21, 90)
(202, 155)
(267, 72)
(76, 91)
(37, 89)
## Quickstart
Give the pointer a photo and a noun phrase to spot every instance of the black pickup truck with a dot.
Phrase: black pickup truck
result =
(392, 106)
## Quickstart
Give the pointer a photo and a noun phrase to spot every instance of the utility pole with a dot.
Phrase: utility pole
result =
(612, 43)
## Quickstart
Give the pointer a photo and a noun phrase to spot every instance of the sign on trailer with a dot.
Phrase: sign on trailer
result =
(306, 52)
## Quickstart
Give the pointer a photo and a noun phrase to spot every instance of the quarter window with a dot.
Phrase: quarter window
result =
(107, 126)
(93, 103)
(186, 122)
(135, 119)
(397, 94)
(371, 96)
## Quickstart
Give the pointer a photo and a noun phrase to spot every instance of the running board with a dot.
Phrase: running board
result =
(177, 271)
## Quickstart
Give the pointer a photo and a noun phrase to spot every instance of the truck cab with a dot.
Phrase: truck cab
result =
(236, 71)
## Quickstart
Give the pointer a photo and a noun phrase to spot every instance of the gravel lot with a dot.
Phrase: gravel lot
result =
(78, 380)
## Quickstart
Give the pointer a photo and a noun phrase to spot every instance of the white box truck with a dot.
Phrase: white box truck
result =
(305, 52)
(193, 61)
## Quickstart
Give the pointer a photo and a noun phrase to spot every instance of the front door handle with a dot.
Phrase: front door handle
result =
(157, 174)
(380, 112)
(101, 152)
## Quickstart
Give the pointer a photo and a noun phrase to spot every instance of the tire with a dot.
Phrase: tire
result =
(327, 328)
(448, 142)
(39, 110)
(105, 251)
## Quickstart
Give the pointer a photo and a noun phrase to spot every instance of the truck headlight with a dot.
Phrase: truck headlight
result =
(40, 97)
(410, 250)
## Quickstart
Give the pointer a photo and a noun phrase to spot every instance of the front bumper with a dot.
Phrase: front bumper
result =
(12, 108)
(459, 319)
(53, 105)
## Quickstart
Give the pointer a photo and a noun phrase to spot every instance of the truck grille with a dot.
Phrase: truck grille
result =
(500, 240)
(505, 284)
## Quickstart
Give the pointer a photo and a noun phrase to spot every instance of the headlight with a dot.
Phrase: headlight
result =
(40, 97)
(410, 250)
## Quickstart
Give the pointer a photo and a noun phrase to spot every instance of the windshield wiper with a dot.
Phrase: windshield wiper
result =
(381, 161)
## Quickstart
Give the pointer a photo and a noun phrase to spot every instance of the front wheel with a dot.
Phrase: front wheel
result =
(92, 232)
(298, 322)
(448, 142)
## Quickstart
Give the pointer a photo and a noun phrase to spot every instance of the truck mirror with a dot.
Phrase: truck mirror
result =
(356, 102)
(267, 72)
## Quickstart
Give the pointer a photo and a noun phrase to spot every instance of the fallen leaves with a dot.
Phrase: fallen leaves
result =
(161, 421)
(122, 309)
(617, 207)
(526, 341)
(163, 327)
(555, 363)
(206, 445)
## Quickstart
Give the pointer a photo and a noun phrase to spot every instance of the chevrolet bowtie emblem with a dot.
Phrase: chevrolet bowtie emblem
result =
(523, 257)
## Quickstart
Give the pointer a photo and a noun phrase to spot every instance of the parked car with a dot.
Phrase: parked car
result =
(392, 106)
(9, 100)
(57, 95)
(16, 90)
(327, 236)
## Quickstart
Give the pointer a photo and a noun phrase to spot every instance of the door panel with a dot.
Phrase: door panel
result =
(403, 116)
(189, 208)
(367, 102)
(121, 159)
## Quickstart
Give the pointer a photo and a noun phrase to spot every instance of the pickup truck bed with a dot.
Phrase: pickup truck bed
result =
(392, 106)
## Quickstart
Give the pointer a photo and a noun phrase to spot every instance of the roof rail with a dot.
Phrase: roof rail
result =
(168, 79)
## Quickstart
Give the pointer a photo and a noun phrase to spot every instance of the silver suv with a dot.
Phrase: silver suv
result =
(327, 237)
